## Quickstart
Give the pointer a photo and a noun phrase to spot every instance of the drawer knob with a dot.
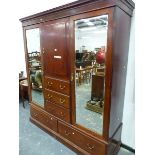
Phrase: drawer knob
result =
(50, 84)
(62, 87)
(51, 118)
(35, 114)
(90, 147)
(67, 133)
(62, 101)
(61, 113)
(43, 51)
(49, 96)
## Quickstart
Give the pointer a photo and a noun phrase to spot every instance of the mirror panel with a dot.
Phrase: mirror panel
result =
(90, 48)
(35, 66)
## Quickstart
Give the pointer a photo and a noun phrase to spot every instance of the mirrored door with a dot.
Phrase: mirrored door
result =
(34, 65)
(90, 51)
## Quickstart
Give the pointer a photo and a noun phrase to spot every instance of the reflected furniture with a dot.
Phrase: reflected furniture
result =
(84, 74)
(24, 90)
(55, 42)
(97, 87)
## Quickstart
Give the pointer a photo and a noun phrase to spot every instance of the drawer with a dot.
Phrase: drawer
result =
(57, 98)
(87, 143)
(58, 111)
(43, 118)
(57, 85)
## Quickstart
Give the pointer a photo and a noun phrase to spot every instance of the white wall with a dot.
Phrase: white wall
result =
(29, 7)
(91, 40)
(128, 134)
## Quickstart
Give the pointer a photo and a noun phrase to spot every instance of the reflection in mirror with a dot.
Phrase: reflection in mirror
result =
(34, 61)
(90, 46)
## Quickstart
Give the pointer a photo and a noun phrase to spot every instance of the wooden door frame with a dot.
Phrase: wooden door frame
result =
(27, 64)
(108, 75)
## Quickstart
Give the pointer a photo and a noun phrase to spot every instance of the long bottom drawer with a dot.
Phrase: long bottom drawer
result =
(87, 143)
(43, 118)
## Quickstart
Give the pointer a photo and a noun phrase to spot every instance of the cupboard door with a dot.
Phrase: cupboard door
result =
(54, 48)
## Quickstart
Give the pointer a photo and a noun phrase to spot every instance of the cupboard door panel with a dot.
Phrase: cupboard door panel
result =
(54, 48)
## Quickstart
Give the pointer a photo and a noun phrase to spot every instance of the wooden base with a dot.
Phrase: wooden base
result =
(108, 151)
(61, 139)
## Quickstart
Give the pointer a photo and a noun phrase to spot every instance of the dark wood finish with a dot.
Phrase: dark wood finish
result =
(57, 85)
(97, 90)
(90, 145)
(119, 61)
(75, 8)
(108, 64)
(54, 48)
(20, 79)
(114, 141)
(57, 98)
(60, 138)
(23, 89)
(44, 118)
(58, 111)
(58, 75)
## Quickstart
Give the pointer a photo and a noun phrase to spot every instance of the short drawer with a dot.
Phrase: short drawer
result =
(58, 111)
(87, 143)
(57, 85)
(44, 118)
(57, 98)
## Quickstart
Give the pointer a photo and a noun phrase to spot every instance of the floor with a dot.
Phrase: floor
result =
(37, 97)
(87, 118)
(34, 141)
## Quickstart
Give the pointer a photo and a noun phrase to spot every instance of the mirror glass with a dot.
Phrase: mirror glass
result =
(35, 67)
(90, 48)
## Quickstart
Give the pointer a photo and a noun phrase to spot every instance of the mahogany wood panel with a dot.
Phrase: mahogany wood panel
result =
(45, 119)
(114, 142)
(85, 142)
(57, 39)
(97, 90)
(57, 98)
(121, 34)
(60, 138)
(106, 109)
(57, 85)
(78, 7)
(54, 48)
(58, 111)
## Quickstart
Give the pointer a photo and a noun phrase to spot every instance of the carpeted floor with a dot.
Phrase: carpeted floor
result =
(34, 141)
(87, 118)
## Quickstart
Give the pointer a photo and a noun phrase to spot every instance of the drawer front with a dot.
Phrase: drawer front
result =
(57, 85)
(57, 98)
(45, 119)
(58, 111)
(87, 143)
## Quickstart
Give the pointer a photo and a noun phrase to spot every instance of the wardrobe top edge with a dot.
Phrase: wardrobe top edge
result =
(77, 4)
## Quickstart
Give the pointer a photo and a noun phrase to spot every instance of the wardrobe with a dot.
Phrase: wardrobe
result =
(76, 59)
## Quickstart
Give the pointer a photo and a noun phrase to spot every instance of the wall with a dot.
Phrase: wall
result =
(128, 134)
(27, 8)
(91, 40)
